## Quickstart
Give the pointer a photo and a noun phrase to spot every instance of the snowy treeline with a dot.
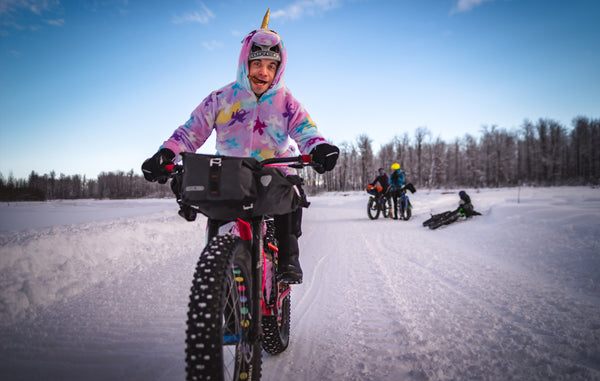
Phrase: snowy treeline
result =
(542, 153)
(113, 185)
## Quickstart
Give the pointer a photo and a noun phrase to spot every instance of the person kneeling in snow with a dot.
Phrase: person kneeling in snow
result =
(465, 209)
(465, 206)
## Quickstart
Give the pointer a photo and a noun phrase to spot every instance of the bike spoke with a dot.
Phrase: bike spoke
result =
(229, 361)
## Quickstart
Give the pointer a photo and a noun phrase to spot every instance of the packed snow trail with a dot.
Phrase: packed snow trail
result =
(511, 294)
(399, 301)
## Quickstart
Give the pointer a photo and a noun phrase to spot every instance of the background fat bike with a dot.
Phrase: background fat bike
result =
(447, 218)
(378, 203)
(405, 207)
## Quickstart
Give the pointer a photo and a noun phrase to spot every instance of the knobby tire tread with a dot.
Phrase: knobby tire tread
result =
(275, 341)
(221, 275)
(373, 208)
(408, 210)
(387, 208)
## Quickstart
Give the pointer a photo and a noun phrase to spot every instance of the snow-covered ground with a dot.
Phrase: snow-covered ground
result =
(97, 290)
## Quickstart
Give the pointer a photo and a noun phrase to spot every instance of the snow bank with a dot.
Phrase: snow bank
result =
(84, 245)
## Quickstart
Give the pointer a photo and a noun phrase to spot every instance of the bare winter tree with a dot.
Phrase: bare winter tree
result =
(406, 155)
(420, 135)
(529, 152)
(386, 156)
(585, 138)
(454, 164)
(365, 150)
(437, 163)
(558, 153)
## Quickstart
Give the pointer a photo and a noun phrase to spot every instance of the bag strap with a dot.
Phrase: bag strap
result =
(214, 176)
(297, 183)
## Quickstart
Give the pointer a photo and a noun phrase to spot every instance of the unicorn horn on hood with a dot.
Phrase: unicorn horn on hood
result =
(265, 22)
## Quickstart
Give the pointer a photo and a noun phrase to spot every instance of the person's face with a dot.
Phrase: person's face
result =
(262, 73)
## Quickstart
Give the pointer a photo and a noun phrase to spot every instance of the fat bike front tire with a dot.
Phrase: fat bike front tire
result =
(373, 208)
(387, 208)
(219, 345)
(408, 210)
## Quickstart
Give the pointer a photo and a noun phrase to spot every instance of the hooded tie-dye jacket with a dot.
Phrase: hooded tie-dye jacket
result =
(248, 126)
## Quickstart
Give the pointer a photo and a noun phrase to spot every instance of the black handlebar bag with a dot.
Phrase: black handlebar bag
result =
(226, 188)
(220, 187)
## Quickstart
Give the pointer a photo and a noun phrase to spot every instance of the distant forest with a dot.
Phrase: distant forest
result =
(544, 153)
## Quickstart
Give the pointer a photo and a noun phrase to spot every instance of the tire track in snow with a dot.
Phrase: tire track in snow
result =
(314, 349)
(461, 302)
(339, 295)
(429, 301)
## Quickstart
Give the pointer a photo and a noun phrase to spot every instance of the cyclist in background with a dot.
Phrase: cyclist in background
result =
(382, 179)
(396, 185)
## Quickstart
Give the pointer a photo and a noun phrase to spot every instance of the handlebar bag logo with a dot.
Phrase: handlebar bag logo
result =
(195, 188)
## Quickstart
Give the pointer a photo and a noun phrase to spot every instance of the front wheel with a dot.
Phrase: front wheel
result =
(405, 211)
(387, 208)
(408, 211)
(276, 329)
(373, 208)
(219, 344)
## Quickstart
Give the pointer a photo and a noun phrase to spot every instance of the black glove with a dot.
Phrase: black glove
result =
(154, 169)
(326, 155)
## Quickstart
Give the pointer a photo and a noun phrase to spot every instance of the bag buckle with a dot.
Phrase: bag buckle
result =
(214, 176)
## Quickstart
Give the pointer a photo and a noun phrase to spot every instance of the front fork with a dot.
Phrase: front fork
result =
(257, 252)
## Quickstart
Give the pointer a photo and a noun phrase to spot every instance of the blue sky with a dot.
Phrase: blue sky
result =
(98, 85)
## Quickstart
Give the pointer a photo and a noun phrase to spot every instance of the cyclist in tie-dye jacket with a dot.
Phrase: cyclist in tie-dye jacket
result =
(254, 116)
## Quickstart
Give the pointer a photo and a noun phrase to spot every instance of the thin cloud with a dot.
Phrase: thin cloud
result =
(35, 6)
(305, 7)
(203, 16)
(467, 5)
(16, 14)
(56, 22)
(212, 45)
(95, 5)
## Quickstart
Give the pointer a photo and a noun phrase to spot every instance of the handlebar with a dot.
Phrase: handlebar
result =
(300, 161)
(295, 161)
(175, 172)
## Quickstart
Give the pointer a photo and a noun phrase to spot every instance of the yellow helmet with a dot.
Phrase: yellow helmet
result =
(395, 166)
